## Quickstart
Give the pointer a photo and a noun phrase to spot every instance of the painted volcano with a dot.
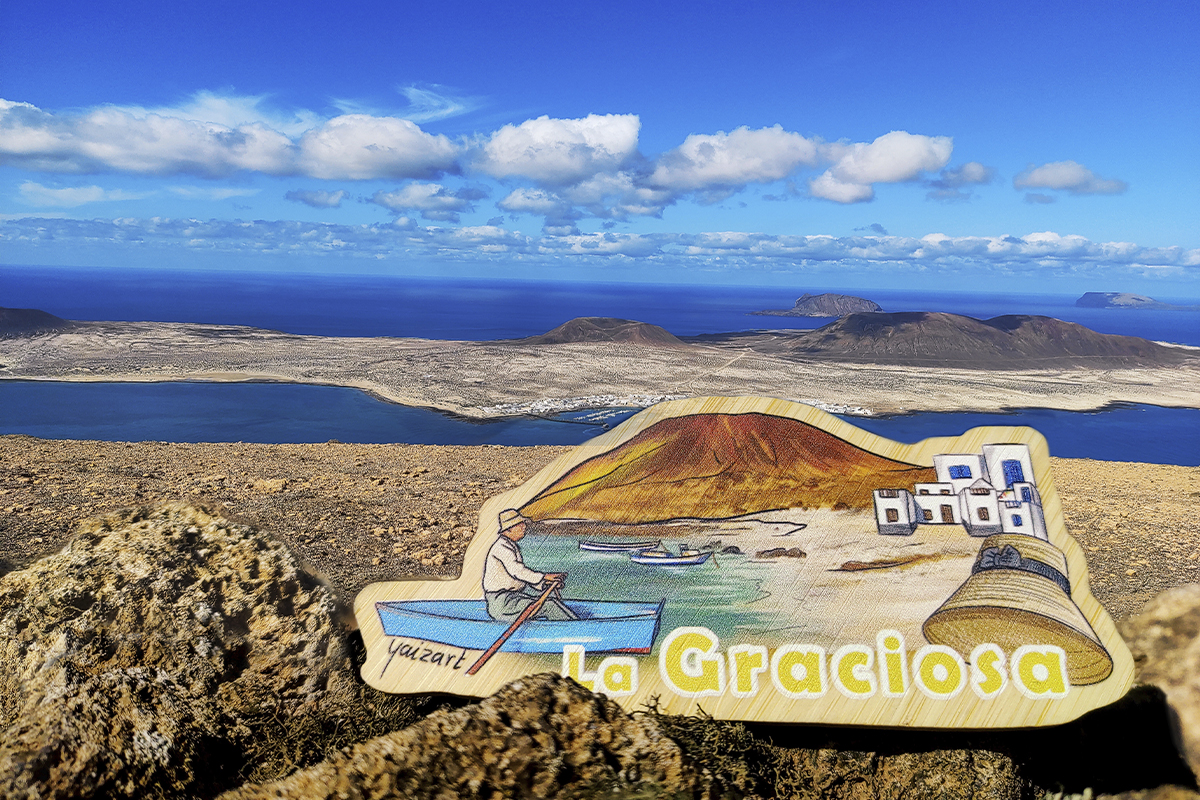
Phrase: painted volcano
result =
(716, 466)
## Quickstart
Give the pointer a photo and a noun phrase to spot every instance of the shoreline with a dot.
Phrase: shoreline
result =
(545, 408)
(494, 380)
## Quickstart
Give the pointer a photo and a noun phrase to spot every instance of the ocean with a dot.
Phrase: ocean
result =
(440, 308)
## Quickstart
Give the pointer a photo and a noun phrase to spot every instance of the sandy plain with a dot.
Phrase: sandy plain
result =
(489, 379)
(366, 513)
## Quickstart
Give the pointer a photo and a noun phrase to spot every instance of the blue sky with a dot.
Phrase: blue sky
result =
(936, 144)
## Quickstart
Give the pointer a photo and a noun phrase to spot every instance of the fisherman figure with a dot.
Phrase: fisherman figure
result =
(509, 586)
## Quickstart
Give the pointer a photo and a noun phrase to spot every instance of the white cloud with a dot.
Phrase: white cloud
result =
(361, 147)
(432, 200)
(533, 201)
(1069, 176)
(731, 160)
(1033, 253)
(949, 186)
(892, 158)
(110, 139)
(316, 198)
(231, 111)
(559, 152)
(68, 197)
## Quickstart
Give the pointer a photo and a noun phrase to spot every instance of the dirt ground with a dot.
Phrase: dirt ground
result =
(365, 513)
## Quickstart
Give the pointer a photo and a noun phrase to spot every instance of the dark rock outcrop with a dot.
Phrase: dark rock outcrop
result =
(781, 552)
(606, 329)
(156, 652)
(16, 322)
(542, 736)
(824, 305)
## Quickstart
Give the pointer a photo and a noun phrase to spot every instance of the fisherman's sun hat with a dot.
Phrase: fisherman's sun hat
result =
(511, 518)
(1019, 593)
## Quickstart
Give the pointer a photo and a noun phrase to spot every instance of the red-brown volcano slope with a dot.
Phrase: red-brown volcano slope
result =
(721, 465)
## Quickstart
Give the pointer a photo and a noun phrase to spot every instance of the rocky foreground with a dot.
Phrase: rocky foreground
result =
(172, 651)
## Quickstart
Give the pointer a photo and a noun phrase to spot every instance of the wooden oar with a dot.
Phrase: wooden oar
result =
(533, 608)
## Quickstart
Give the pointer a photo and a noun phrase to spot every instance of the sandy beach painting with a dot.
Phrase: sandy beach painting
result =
(771, 562)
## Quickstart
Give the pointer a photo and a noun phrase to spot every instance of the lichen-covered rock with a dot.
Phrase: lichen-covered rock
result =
(849, 775)
(144, 657)
(542, 736)
(1165, 641)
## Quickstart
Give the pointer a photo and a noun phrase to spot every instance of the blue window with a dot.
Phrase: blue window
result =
(960, 471)
(1012, 471)
(1026, 494)
(1017, 520)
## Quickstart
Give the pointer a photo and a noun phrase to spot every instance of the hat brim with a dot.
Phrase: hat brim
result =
(1010, 608)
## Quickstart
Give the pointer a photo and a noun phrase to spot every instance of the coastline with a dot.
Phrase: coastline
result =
(491, 380)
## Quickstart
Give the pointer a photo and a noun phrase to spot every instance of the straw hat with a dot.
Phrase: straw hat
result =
(511, 518)
(1018, 593)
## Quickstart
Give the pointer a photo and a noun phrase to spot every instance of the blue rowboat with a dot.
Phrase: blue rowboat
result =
(604, 626)
(617, 547)
(664, 559)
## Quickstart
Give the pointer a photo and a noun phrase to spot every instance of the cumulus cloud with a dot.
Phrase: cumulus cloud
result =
(36, 194)
(952, 185)
(874, 227)
(316, 198)
(1035, 252)
(892, 158)
(1068, 176)
(559, 152)
(728, 161)
(362, 147)
(111, 139)
(431, 200)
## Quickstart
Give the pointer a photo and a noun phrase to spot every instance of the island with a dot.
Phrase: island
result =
(823, 305)
(1127, 300)
(873, 363)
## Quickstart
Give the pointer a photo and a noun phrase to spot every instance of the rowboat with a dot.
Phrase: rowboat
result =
(617, 547)
(662, 558)
(604, 626)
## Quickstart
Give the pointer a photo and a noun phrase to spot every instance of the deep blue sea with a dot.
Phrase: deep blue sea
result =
(479, 310)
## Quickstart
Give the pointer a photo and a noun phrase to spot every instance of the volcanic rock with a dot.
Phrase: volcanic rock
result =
(606, 329)
(933, 338)
(145, 658)
(28, 322)
(824, 305)
(541, 736)
(1165, 642)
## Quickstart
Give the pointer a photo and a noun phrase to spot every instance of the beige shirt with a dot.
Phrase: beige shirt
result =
(504, 570)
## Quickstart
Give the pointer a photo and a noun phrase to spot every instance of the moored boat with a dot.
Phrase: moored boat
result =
(662, 558)
(604, 626)
(617, 547)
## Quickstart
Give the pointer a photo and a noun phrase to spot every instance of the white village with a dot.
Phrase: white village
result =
(987, 493)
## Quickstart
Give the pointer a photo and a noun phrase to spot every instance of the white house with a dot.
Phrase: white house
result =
(895, 512)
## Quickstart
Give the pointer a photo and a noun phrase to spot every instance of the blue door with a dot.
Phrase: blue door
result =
(1012, 472)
